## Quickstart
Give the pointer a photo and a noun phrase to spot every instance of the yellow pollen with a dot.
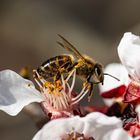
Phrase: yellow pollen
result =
(56, 93)
(53, 88)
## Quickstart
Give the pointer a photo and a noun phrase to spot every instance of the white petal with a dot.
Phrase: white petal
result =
(16, 92)
(120, 72)
(138, 110)
(117, 134)
(98, 125)
(95, 125)
(129, 53)
(117, 70)
(109, 102)
(57, 129)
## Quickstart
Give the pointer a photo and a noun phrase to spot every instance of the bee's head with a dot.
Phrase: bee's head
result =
(98, 75)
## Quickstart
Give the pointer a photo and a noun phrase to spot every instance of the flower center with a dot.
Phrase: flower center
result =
(76, 136)
(54, 87)
(59, 95)
(56, 95)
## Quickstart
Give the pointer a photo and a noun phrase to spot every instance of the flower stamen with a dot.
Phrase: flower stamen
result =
(59, 94)
(80, 97)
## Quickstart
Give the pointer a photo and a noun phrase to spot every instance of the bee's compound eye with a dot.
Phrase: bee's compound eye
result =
(97, 71)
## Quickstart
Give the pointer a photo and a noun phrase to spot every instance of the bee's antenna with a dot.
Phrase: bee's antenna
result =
(111, 76)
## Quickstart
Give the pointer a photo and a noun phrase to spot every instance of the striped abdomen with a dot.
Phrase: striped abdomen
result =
(56, 65)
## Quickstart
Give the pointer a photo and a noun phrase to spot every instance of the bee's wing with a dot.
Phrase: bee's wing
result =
(67, 45)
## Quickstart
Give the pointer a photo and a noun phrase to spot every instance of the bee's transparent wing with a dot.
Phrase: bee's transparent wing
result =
(67, 45)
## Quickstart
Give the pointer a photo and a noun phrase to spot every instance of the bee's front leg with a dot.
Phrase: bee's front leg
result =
(88, 86)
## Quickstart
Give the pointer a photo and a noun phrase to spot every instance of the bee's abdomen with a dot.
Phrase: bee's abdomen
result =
(53, 65)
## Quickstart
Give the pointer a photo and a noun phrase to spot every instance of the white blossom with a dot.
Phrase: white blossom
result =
(129, 71)
(95, 125)
(17, 92)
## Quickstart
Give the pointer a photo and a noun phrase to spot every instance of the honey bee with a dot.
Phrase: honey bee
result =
(90, 71)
